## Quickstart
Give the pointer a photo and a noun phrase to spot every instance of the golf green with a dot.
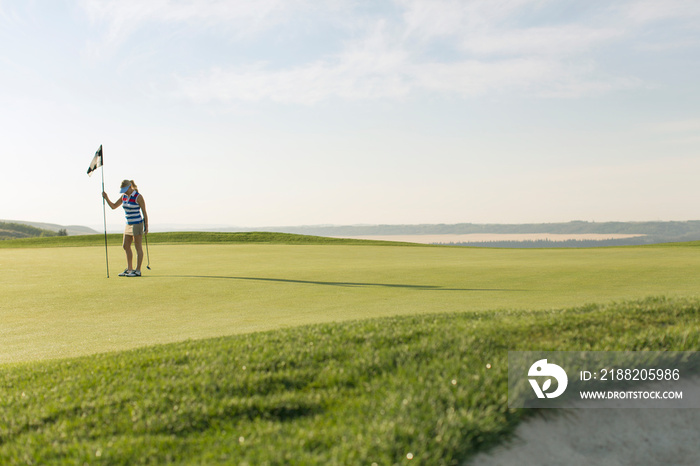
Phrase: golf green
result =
(57, 302)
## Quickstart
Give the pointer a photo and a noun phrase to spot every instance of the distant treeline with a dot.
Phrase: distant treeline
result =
(546, 243)
(18, 230)
(681, 230)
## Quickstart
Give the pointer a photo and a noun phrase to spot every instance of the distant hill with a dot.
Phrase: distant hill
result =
(10, 230)
(40, 229)
(654, 232)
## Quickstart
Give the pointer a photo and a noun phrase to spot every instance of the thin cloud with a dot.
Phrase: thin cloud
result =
(123, 17)
(120, 19)
(438, 46)
(650, 11)
(371, 77)
(565, 40)
(435, 18)
(354, 75)
(384, 65)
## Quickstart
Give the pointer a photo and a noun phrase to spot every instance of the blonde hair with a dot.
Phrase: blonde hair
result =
(131, 183)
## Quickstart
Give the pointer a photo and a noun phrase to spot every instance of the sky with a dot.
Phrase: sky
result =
(300, 112)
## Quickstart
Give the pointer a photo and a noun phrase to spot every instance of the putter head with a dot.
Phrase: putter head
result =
(148, 267)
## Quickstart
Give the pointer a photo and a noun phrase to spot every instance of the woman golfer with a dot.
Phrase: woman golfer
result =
(136, 225)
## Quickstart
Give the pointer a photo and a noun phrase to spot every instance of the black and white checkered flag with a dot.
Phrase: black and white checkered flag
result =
(96, 162)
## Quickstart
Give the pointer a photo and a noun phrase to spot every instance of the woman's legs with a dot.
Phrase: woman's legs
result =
(127, 248)
(138, 240)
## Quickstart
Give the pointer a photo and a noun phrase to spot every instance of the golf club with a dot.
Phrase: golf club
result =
(148, 256)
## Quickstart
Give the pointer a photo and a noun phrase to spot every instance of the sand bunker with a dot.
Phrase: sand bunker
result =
(603, 437)
(612, 437)
(484, 237)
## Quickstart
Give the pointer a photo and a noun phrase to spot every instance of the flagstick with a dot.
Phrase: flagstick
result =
(104, 217)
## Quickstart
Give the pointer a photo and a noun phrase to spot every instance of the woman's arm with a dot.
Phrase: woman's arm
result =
(142, 204)
(113, 205)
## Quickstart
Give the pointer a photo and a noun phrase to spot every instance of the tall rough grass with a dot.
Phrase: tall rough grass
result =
(428, 389)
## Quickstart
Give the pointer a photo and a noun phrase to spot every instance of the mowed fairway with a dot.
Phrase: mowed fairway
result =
(57, 302)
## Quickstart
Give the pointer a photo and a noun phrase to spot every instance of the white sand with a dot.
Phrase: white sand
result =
(609, 437)
(585, 437)
(482, 237)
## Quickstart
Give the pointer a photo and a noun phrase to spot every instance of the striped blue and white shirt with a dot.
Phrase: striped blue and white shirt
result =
(132, 209)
